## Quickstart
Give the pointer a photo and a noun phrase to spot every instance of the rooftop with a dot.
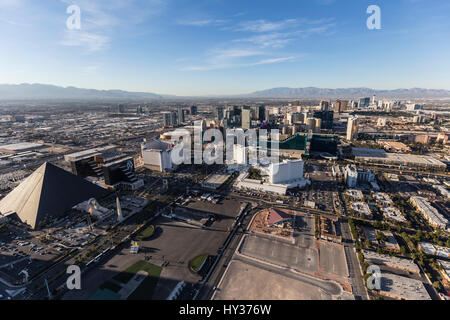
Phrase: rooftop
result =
(88, 153)
(390, 261)
(381, 155)
(276, 215)
(22, 146)
(403, 288)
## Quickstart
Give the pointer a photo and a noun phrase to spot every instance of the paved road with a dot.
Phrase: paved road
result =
(207, 291)
(359, 290)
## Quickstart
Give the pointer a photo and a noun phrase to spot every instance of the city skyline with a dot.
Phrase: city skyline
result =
(203, 48)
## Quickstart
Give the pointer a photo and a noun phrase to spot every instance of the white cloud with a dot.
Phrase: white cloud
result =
(265, 26)
(101, 19)
(91, 41)
(202, 23)
(269, 40)
(235, 58)
(272, 60)
(259, 46)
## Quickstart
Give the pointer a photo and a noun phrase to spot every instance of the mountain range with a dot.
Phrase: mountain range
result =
(311, 92)
(51, 92)
(38, 91)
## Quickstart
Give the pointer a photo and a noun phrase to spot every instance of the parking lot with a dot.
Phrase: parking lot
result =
(173, 244)
(332, 259)
(280, 253)
(24, 251)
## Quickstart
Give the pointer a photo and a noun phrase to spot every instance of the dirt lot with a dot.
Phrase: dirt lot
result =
(247, 282)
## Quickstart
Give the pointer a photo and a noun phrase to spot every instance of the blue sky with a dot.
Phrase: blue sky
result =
(207, 47)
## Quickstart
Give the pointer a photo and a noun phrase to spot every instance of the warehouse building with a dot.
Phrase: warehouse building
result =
(402, 288)
(381, 157)
(21, 147)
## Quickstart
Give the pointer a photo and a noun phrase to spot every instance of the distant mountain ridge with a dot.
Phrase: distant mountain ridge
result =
(38, 91)
(312, 92)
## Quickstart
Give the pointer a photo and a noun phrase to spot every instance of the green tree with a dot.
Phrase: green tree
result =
(437, 285)
(381, 236)
(402, 250)
(361, 257)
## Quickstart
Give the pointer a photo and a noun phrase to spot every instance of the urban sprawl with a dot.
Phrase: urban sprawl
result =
(328, 192)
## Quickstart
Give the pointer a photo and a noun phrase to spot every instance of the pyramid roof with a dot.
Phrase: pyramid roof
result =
(48, 192)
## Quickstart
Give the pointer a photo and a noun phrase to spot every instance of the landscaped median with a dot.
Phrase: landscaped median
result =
(196, 264)
(147, 233)
(145, 290)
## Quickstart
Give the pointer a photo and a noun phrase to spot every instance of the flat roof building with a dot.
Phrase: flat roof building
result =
(393, 262)
(432, 215)
(435, 250)
(380, 156)
(80, 155)
(445, 271)
(20, 147)
(215, 181)
(402, 288)
(362, 209)
(392, 213)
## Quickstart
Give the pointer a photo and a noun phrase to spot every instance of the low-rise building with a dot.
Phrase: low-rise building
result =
(430, 213)
(328, 228)
(395, 146)
(443, 191)
(402, 288)
(383, 199)
(362, 209)
(445, 271)
(355, 194)
(21, 147)
(277, 218)
(381, 157)
(215, 181)
(393, 262)
(390, 244)
(392, 213)
(434, 250)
